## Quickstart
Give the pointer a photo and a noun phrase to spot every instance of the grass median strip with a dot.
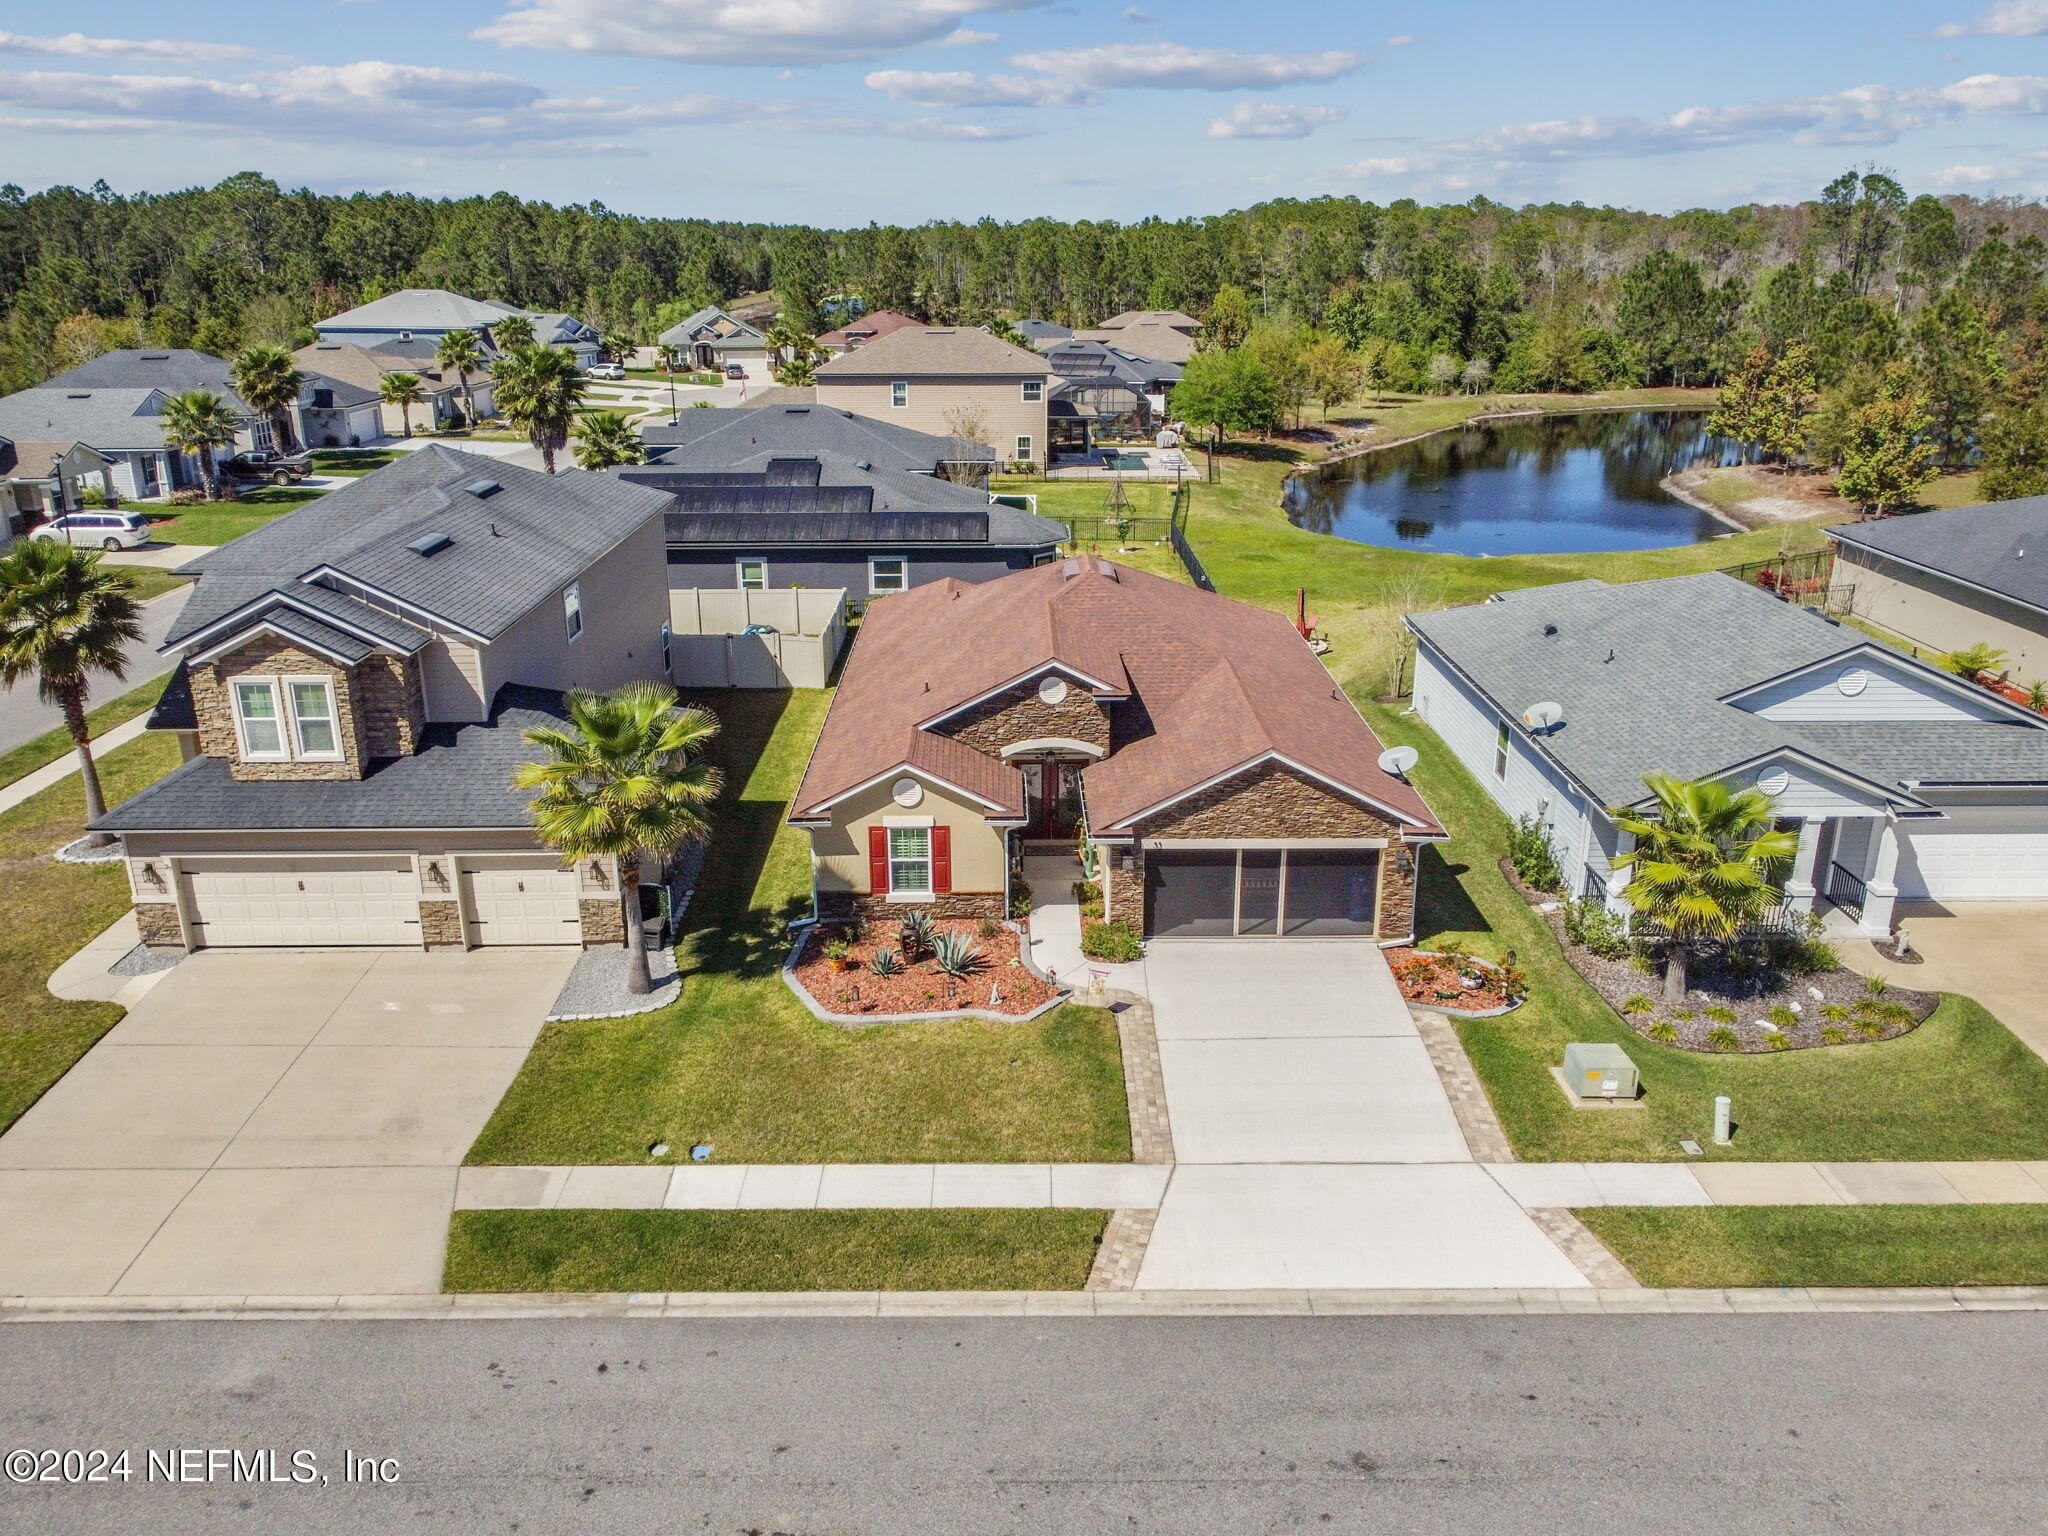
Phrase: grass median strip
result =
(977, 1250)
(738, 1062)
(51, 745)
(1765, 1245)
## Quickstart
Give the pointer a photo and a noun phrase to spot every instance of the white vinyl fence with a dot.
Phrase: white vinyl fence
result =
(709, 648)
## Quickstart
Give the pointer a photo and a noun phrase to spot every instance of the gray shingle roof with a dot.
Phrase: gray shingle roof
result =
(747, 437)
(419, 309)
(930, 351)
(319, 636)
(109, 419)
(509, 549)
(2002, 547)
(170, 369)
(1935, 752)
(718, 326)
(1641, 670)
(460, 777)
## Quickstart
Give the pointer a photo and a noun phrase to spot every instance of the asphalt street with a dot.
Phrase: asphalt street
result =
(1183, 1427)
(23, 716)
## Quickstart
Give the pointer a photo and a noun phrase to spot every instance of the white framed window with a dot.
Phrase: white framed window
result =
(899, 393)
(572, 610)
(910, 861)
(753, 575)
(1023, 448)
(259, 720)
(1500, 751)
(1034, 391)
(888, 573)
(261, 435)
(315, 731)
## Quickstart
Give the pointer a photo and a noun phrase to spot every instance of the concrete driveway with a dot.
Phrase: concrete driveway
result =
(1316, 1146)
(1994, 951)
(270, 1122)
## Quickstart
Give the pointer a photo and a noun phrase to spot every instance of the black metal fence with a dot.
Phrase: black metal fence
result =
(1802, 578)
(1113, 531)
(1177, 532)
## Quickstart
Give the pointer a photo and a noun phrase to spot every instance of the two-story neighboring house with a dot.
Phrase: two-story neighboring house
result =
(953, 380)
(1228, 785)
(355, 682)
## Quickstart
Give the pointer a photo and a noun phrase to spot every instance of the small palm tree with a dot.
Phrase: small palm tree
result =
(1704, 863)
(801, 366)
(512, 333)
(270, 385)
(198, 422)
(63, 617)
(538, 390)
(463, 352)
(605, 438)
(788, 338)
(1978, 658)
(405, 391)
(622, 779)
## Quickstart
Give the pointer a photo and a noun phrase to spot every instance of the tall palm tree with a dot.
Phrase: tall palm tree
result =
(404, 391)
(462, 351)
(622, 779)
(605, 438)
(270, 385)
(538, 391)
(512, 332)
(1705, 862)
(63, 617)
(198, 422)
(800, 367)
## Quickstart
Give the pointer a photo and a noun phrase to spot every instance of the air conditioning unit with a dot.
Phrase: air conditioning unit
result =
(1596, 1071)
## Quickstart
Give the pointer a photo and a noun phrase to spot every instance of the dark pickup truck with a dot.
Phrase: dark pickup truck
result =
(277, 468)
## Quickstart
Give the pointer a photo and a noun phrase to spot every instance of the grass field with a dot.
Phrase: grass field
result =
(47, 912)
(736, 1061)
(219, 521)
(351, 461)
(983, 1250)
(51, 745)
(1777, 1245)
(1959, 1087)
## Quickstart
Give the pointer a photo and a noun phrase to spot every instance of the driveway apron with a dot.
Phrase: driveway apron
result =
(1316, 1145)
(270, 1122)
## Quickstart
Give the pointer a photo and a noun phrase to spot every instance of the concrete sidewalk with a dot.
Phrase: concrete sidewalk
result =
(30, 785)
(815, 1186)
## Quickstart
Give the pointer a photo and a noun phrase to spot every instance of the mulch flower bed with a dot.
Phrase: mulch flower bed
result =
(1463, 982)
(1002, 985)
(1733, 1007)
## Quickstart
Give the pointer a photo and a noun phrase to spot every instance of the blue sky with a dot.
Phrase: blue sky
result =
(841, 111)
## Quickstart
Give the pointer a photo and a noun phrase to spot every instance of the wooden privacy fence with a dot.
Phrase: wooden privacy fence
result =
(709, 646)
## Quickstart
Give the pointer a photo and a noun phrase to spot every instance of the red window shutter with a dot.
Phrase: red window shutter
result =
(942, 860)
(878, 860)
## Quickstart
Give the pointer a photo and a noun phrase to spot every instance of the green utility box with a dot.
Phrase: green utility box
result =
(1599, 1071)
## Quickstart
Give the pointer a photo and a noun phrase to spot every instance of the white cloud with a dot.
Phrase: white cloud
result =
(2008, 18)
(1174, 66)
(76, 45)
(960, 88)
(737, 31)
(1270, 120)
(1964, 176)
(1138, 16)
(411, 106)
(1405, 40)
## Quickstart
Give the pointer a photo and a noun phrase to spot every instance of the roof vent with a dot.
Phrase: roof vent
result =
(429, 543)
(1069, 569)
(156, 357)
(482, 488)
(862, 464)
(796, 410)
(82, 395)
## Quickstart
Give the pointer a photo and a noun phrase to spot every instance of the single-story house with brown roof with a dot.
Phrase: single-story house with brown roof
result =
(878, 322)
(1227, 784)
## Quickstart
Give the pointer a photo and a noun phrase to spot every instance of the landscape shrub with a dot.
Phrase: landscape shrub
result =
(1722, 1038)
(1530, 853)
(1115, 942)
(1588, 924)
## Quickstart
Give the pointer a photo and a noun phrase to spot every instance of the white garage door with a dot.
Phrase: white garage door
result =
(524, 901)
(1976, 855)
(238, 903)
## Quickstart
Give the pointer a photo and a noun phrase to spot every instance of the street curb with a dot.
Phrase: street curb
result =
(1106, 1304)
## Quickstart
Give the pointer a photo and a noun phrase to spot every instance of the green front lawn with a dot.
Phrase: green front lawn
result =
(991, 1250)
(47, 912)
(216, 522)
(351, 461)
(1959, 1087)
(737, 1062)
(1766, 1245)
(51, 745)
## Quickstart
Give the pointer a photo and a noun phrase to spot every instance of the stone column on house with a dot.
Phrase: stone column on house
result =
(441, 925)
(1800, 888)
(602, 903)
(1880, 892)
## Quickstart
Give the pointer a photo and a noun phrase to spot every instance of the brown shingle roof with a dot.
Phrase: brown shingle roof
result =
(1172, 318)
(936, 351)
(366, 367)
(1161, 343)
(1223, 683)
(869, 327)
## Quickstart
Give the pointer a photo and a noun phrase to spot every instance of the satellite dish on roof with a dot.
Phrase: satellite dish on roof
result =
(1398, 760)
(1541, 717)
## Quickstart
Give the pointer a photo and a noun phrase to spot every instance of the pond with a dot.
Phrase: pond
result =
(1541, 485)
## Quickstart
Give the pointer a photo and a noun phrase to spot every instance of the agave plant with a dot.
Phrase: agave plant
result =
(918, 934)
(886, 962)
(958, 956)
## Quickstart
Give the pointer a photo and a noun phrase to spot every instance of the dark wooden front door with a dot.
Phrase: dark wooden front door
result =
(1052, 788)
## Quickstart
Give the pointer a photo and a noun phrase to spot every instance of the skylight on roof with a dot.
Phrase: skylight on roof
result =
(482, 488)
(429, 543)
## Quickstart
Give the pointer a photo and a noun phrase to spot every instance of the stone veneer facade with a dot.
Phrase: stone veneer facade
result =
(379, 708)
(1021, 715)
(847, 906)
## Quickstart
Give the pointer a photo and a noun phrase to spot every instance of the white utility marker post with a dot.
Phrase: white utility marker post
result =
(1722, 1108)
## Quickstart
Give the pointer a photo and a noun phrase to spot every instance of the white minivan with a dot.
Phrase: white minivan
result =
(96, 530)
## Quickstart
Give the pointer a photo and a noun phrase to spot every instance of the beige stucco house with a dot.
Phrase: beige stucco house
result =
(954, 381)
(1948, 581)
(355, 684)
(1227, 786)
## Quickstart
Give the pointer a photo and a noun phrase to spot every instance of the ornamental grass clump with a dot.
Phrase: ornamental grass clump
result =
(1722, 1038)
(958, 956)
